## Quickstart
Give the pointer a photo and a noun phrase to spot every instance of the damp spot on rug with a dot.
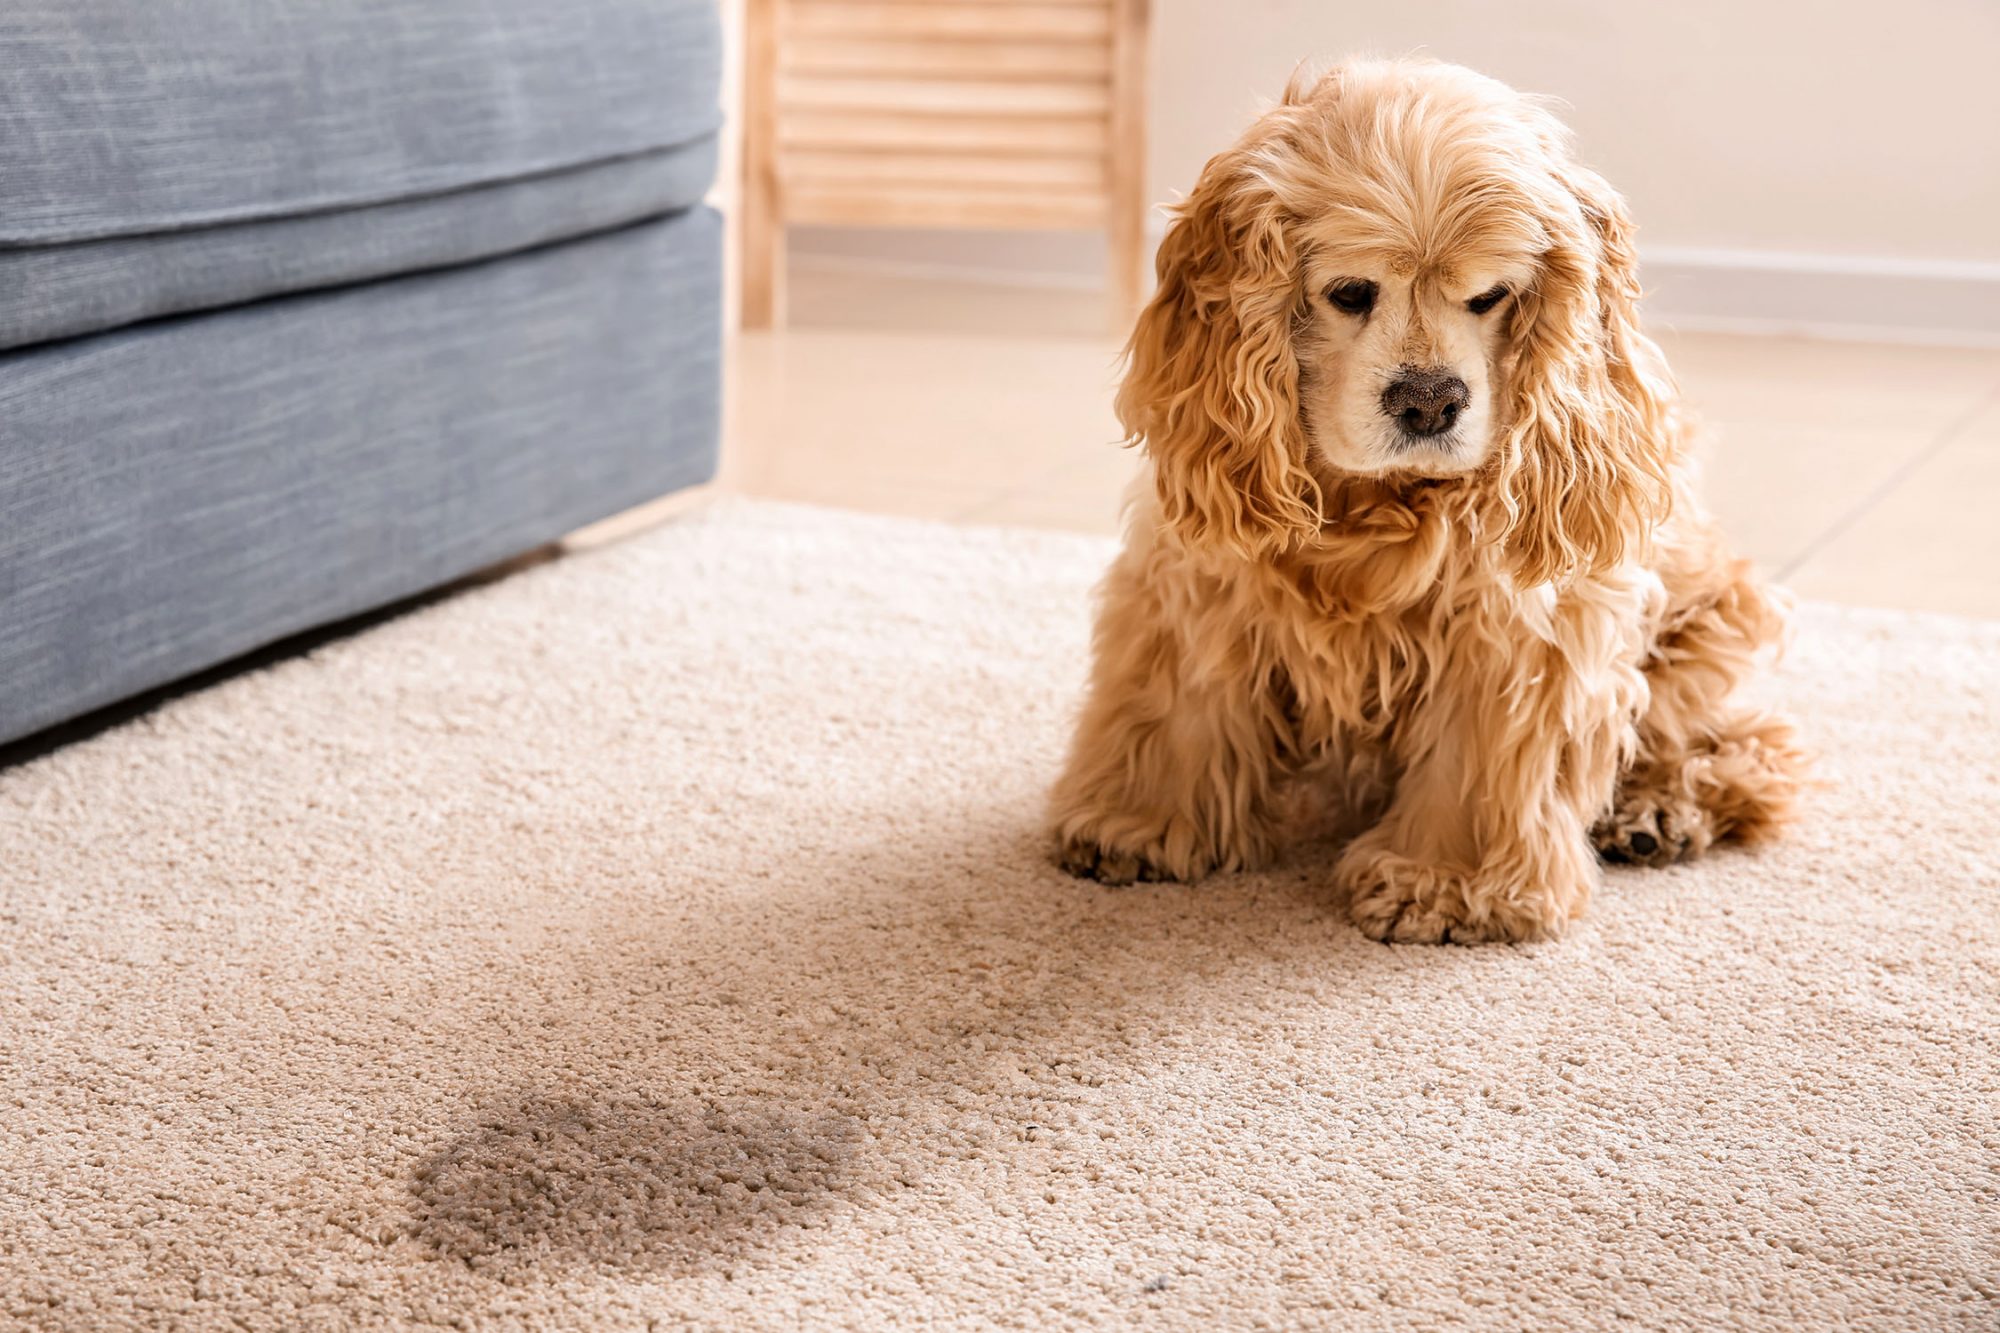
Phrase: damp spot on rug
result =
(630, 1183)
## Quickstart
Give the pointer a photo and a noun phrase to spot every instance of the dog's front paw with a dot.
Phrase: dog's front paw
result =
(1086, 858)
(1640, 832)
(1396, 900)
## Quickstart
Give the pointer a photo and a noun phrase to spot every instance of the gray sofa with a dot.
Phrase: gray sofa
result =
(307, 306)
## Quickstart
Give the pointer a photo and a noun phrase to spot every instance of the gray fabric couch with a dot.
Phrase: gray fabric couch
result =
(310, 305)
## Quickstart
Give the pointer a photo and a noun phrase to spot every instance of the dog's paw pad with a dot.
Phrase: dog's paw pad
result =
(1643, 837)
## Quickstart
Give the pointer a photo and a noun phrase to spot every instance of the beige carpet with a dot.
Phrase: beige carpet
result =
(664, 937)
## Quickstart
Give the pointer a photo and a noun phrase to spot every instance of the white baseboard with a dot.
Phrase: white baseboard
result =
(1827, 296)
(1855, 298)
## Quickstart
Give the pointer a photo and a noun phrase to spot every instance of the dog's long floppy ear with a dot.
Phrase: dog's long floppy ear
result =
(1594, 430)
(1211, 384)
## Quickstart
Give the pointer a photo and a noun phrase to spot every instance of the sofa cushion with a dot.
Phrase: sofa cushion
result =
(62, 291)
(178, 493)
(129, 117)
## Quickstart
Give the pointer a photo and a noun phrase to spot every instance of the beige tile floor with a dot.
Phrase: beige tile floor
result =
(1857, 473)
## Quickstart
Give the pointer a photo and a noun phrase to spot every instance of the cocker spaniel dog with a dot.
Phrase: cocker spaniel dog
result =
(1421, 553)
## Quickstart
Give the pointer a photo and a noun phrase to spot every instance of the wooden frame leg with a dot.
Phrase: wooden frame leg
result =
(1129, 254)
(761, 231)
(763, 266)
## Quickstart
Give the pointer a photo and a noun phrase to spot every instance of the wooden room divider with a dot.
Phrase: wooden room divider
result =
(992, 114)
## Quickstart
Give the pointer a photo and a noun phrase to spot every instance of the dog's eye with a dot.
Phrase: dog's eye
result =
(1485, 301)
(1356, 295)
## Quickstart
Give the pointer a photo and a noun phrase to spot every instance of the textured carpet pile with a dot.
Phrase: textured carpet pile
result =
(665, 937)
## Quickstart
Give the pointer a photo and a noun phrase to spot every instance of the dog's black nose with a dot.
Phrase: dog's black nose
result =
(1425, 401)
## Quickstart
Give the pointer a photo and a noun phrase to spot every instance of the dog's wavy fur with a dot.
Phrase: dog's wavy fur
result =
(1485, 678)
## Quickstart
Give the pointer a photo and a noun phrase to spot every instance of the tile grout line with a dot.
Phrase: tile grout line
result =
(1910, 467)
(1001, 492)
(1041, 481)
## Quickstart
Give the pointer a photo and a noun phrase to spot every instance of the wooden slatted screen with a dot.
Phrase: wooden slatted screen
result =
(942, 113)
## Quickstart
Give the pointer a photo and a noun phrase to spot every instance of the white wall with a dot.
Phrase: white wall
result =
(1829, 166)
(1836, 128)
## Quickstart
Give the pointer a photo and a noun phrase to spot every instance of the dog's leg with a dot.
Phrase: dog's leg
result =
(1739, 778)
(1707, 768)
(1486, 837)
(1177, 762)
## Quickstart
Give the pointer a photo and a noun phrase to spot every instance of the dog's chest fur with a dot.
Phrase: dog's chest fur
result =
(1356, 635)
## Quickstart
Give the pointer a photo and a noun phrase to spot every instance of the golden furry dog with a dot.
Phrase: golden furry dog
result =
(1421, 551)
